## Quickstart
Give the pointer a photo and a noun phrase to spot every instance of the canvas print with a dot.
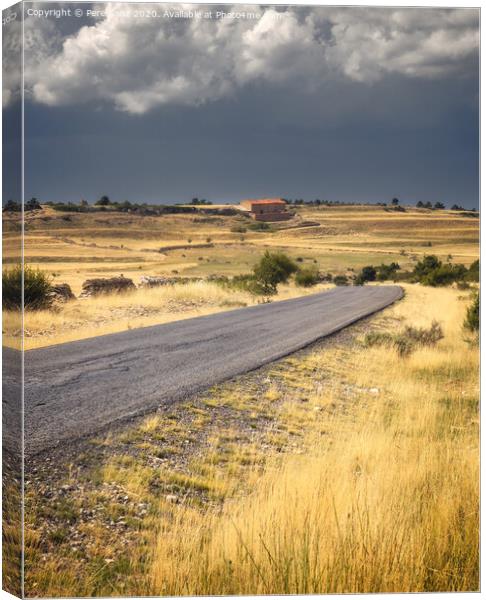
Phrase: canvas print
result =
(240, 299)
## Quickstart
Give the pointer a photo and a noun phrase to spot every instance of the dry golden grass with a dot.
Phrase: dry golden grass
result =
(339, 469)
(110, 313)
(368, 477)
(107, 244)
(78, 246)
(386, 502)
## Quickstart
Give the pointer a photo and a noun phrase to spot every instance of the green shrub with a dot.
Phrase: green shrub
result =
(473, 272)
(307, 277)
(32, 204)
(246, 283)
(12, 206)
(387, 271)
(69, 207)
(340, 280)
(378, 338)
(471, 322)
(12, 288)
(444, 275)
(425, 266)
(367, 274)
(400, 342)
(222, 280)
(238, 229)
(407, 340)
(424, 337)
(258, 288)
(431, 271)
(259, 226)
(272, 269)
(239, 282)
(37, 288)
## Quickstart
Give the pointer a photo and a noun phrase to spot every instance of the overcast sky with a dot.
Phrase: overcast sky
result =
(350, 104)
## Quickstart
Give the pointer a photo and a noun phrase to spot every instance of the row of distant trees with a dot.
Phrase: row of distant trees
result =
(104, 201)
(394, 202)
(12, 206)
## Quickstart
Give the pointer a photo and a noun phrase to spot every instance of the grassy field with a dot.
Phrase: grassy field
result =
(76, 246)
(344, 468)
(73, 247)
(88, 317)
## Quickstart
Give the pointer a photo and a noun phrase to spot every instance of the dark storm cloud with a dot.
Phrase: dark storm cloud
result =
(137, 64)
(348, 104)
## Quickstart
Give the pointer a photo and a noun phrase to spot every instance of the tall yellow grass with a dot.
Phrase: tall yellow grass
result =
(387, 500)
(110, 313)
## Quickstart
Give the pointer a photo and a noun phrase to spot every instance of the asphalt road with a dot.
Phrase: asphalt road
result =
(79, 388)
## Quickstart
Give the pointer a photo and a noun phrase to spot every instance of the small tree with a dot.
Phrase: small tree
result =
(473, 272)
(420, 204)
(431, 271)
(340, 280)
(367, 274)
(307, 277)
(444, 275)
(439, 206)
(272, 269)
(426, 265)
(471, 322)
(387, 271)
(33, 204)
(12, 206)
(103, 201)
(37, 288)
(395, 201)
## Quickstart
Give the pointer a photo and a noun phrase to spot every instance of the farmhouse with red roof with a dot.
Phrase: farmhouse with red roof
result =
(267, 209)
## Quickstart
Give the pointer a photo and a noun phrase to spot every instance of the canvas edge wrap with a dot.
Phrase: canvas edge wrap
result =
(12, 349)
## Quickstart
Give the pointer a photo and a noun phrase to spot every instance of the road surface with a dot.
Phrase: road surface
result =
(79, 388)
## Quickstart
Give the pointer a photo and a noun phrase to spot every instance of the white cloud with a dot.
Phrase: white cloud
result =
(368, 44)
(139, 64)
(11, 57)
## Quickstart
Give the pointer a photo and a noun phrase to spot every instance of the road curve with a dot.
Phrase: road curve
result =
(78, 388)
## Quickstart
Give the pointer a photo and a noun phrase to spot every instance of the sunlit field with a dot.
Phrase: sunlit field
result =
(110, 313)
(90, 245)
(241, 290)
(344, 468)
(386, 500)
(73, 247)
(347, 467)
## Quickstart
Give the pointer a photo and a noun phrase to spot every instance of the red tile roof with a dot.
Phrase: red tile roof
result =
(266, 201)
